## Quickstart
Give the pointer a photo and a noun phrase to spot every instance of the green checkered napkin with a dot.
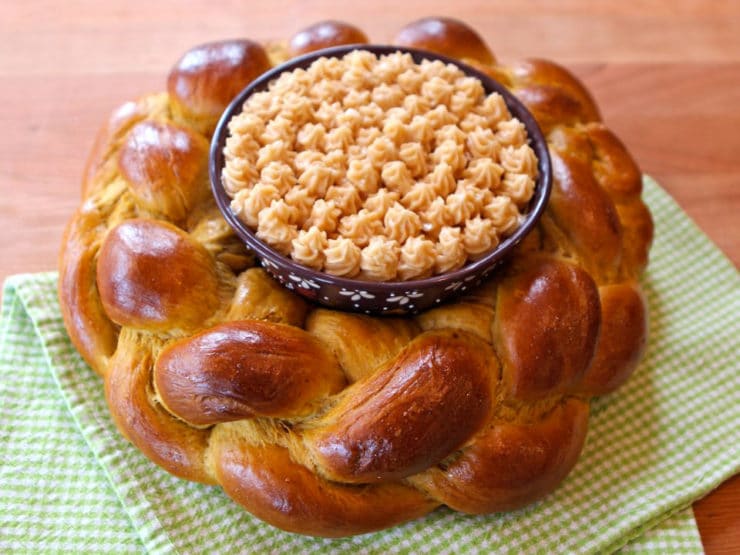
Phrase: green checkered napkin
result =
(70, 483)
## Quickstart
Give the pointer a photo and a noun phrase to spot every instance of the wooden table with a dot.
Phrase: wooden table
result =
(666, 75)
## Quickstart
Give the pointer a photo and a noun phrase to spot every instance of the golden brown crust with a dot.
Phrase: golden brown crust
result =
(360, 343)
(547, 323)
(119, 121)
(151, 275)
(638, 233)
(613, 166)
(471, 317)
(511, 464)
(242, 369)
(165, 167)
(581, 208)
(552, 94)
(325, 34)
(91, 331)
(179, 448)
(274, 488)
(209, 76)
(409, 414)
(622, 339)
(447, 36)
(259, 297)
(328, 423)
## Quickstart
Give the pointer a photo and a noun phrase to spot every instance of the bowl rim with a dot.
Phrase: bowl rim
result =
(537, 204)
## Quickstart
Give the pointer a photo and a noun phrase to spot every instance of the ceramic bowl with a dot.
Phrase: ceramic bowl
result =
(372, 297)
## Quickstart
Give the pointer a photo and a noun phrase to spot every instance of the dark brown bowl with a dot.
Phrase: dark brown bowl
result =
(372, 297)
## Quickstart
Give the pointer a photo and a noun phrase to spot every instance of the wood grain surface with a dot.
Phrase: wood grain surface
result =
(666, 75)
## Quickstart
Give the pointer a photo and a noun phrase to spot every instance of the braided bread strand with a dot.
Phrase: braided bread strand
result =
(329, 423)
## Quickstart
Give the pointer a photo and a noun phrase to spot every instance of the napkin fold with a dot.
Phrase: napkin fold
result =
(69, 482)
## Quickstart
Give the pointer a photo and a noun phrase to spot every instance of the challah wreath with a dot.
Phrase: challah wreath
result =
(330, 423)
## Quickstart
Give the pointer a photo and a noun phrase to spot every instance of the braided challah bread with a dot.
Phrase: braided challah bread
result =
(330, 423)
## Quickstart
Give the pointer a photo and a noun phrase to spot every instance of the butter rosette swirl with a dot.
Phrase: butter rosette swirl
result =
(308, 247)
(418, 256)
(379, 167)
(324, 215)
(479, 237)
(450, 250)
(249, 203)
(342, 257)
(379, 259)
(401, 223)
(361, 227)
(274, 226)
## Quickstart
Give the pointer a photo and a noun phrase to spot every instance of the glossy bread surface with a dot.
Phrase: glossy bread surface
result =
(330, 423)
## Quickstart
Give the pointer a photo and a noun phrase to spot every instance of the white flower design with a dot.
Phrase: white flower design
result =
(454, 286)
(405, 298)
(356, 295)
(304, 283)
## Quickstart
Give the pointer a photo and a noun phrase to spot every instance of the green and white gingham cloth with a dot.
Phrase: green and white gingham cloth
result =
(70, 483)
